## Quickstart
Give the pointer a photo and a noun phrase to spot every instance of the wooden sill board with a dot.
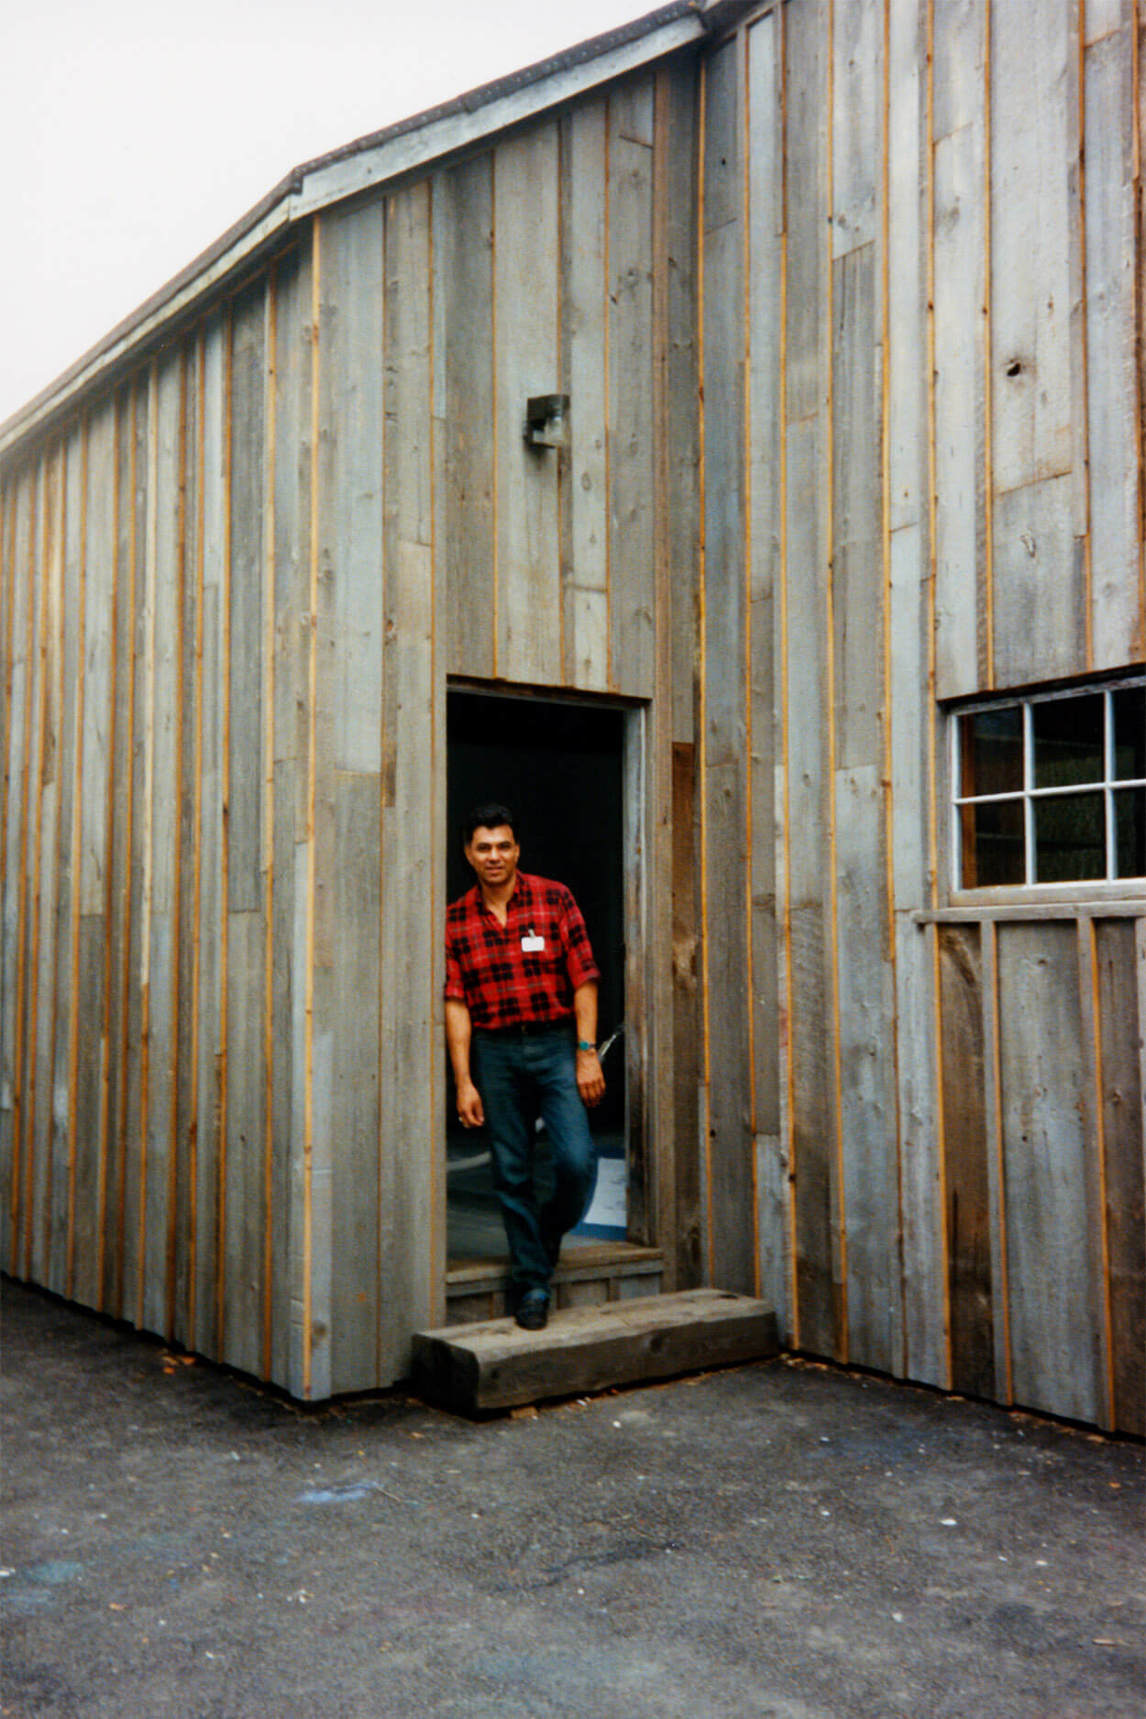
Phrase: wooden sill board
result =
(473, 1369)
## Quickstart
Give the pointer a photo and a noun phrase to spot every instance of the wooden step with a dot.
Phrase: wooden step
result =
(472, 1369)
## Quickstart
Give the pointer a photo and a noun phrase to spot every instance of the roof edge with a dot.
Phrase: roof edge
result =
(408, 145)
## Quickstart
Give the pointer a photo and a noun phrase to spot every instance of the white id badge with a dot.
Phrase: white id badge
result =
(532, 945)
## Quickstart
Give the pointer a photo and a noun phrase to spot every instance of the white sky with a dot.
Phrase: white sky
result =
(134, 132)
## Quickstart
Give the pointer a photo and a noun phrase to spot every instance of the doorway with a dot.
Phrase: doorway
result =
(562, 766)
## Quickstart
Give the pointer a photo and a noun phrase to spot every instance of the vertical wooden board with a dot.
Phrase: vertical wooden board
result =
(292, 602)
(632, 434)
(959, 408)
(924, 1330)
(1038, 573)
(356, 1286)
(1120, 1031)
(907, 478)
(689, 1225)
(208, 1240)
(18, 739)
(732, 1238)
(1034, 211)
(464, 378)
(350, 674)
(247, 493)
(162, 820)
(682, 426)
(764, 215)
(119, 860)
(245, 1207)
(965, 1147)
(807, 343)
(867, 1116)
(857, 578)
(585, 335)
(1117, 621)
(817, 1324)
(55, 1216)
(46, 916)
(411, 1014)
(134, 1174)
(245, 1200)
(1055, 1282)
(1032, 167)
(857, 35)
(90, 1117)
(350, 546)
(185, 1119)
(527, 344)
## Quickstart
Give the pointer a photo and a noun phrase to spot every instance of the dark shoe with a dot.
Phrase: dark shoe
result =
(533, 1310)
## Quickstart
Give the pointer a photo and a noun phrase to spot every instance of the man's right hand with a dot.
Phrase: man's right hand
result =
(470, 1110)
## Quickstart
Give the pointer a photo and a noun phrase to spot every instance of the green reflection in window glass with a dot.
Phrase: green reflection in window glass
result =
(1070, 838)
(993, 846)
(992, 751)
(1130, 831)
(1068, 741)
(1130, 732)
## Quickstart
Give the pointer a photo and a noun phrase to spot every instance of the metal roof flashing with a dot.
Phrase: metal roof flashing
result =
(370, 161)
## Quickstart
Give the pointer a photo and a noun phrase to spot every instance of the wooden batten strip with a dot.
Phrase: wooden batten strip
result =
(987, 651)
(150, 574)
(172, 1255)
(997, 1164)
(222, 1118)
(839, 1192)
(932, 719)
(380, 1251)
(18, 1107)
(44, 526)
(55, 904)
(888, 796)
(746, 517)
(311, 796)
(606, 382)
(1082, 414)
(77, 850)
(438, 1190)
(1099, 1228)
(785, 702)
(129, 841)
(495, 460)
(932, 491)
(269, 477)
(105, 1118)
(701, 674)
(196, 844)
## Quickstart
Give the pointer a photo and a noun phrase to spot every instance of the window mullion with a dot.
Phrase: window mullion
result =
(1031, 867)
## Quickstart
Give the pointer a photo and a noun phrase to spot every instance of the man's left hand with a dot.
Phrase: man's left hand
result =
(590, 1080)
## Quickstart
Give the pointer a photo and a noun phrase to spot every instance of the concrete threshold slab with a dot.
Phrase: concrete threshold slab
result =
(473, 1369)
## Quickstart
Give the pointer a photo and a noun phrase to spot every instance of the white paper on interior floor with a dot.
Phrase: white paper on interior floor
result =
(609, 1203)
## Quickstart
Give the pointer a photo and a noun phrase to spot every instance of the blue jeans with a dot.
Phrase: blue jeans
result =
(522, 1076)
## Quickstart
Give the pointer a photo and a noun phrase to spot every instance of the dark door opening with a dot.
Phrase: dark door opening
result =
(560, 767)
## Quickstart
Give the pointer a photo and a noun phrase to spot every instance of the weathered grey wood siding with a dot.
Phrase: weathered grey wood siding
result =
(922, 291)
(233, 593)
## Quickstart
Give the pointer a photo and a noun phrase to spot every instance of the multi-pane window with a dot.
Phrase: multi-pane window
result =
(1051, 789)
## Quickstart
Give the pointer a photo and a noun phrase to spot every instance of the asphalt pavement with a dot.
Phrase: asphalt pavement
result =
(776, 1541)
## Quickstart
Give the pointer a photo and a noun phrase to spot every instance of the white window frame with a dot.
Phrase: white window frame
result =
(1029, 794)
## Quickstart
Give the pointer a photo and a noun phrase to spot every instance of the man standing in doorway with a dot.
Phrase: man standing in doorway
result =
(521, 1028)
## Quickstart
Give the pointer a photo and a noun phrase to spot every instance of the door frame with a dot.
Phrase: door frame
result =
(637, 845)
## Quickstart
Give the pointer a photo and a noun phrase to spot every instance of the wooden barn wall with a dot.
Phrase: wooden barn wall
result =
(921, 288)
(233, 592)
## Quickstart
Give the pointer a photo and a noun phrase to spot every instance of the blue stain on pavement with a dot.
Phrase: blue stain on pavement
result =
(348, 1494)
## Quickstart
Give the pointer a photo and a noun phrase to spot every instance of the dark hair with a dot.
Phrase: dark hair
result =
(489, 815)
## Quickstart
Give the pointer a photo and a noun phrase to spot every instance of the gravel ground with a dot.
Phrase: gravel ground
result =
(778, 1541)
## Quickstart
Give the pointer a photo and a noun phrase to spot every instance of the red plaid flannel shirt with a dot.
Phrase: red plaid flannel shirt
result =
(487, 969)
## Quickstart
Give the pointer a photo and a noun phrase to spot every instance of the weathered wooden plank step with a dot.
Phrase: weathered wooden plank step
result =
(472, 1369)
